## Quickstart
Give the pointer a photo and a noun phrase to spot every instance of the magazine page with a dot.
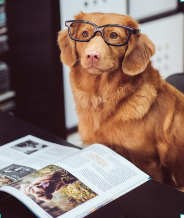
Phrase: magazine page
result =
(79, 184)
(105, 172)
(28, 154)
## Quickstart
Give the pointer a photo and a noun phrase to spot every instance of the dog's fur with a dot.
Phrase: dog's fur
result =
(54, 182)
(123, 103)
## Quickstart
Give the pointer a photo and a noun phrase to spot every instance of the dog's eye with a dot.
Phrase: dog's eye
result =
(114, 35)
(85, 34)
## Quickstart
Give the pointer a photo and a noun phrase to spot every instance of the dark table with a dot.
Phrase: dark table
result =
(150, 200)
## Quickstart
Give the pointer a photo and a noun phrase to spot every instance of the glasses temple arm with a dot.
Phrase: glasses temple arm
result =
(136, 31)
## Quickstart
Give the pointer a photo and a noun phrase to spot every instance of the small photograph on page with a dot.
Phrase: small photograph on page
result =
(13, 172)
(55, 190)
(28, 147)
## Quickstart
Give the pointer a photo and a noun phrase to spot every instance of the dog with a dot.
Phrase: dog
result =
(121, 100)
(44, 187)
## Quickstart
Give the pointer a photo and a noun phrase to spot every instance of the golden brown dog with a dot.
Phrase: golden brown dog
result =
(121, 100)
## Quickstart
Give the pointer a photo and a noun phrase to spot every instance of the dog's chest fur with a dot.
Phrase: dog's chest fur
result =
(108, 104)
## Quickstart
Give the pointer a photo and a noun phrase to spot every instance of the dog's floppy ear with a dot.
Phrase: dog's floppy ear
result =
(67, 47)
(140, 49)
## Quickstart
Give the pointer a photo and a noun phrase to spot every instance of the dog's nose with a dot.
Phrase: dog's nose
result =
(93, 56)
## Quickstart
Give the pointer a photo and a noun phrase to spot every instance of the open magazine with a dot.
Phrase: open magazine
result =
(59, 181)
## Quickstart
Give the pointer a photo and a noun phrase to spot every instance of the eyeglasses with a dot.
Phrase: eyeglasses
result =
(113, 34)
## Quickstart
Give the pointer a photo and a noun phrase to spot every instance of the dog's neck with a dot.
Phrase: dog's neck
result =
(109, 91)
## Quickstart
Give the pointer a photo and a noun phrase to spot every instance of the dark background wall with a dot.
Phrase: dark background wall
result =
(33, 57)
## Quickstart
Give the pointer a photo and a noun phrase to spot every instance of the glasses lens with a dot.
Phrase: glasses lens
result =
(81, 31)
(115, 35)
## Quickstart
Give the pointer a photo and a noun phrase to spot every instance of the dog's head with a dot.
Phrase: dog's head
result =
(41, 191)
(96, 55)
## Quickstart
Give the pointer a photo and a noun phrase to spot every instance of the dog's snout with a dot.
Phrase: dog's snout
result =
(93, 56)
